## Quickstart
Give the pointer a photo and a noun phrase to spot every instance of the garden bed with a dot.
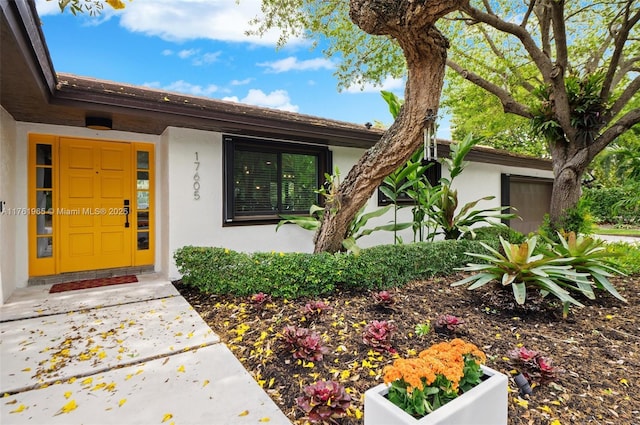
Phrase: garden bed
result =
(597, 346)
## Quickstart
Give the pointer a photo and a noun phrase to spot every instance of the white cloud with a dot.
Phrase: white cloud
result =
(206, 58)
(183, 20)
(241, 82)
(184, 54)
(389, 84)
(293, 64)
(182, 86)
(45, 7)
(277, 99)
(167, 52)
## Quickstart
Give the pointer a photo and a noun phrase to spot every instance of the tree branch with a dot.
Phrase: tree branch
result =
(509, 104)
(620, 40)
(627, 121)
(625, 97)
(595, 58)
(525, 19)
(527, 86)
(560, 98)
(541, 60)
(544, 20)
(560, 35)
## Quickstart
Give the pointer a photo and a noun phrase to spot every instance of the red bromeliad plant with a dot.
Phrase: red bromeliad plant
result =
(378, 335)
(384, 299)
(447, 323)
(535, 366)
(313, 310)
(259, 300)
(303, 343)
(324, 402)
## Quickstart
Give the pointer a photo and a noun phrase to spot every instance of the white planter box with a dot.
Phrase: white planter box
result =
(484, 404)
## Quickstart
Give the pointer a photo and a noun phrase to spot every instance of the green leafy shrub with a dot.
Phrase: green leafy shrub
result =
(628, 258)
(604, 204)
(493, 234)
(292, 275)
(577, 220)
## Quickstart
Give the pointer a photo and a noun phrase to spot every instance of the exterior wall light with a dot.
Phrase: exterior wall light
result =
(98, 123)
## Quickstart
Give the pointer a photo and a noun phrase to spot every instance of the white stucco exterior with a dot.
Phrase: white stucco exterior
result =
(180, 218)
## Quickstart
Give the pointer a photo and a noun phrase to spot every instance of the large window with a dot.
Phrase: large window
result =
(264, 178)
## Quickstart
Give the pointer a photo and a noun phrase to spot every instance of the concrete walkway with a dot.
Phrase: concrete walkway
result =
(125, 354)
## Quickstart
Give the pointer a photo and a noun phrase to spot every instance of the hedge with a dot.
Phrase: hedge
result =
(291, 275)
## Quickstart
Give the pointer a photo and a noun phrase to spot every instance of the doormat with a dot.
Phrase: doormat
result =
(92, 283)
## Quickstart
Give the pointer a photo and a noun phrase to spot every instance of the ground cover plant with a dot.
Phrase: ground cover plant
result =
(583, 369)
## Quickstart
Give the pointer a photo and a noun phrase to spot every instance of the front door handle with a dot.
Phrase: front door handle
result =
(126, 213)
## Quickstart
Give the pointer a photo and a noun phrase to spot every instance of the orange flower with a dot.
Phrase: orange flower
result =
(445, 359)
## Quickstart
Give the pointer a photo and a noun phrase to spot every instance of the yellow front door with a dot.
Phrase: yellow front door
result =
(95, 201)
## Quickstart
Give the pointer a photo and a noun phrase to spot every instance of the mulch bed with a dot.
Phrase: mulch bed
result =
(598, 346)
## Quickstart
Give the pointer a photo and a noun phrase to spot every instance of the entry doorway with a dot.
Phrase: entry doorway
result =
(90, 204)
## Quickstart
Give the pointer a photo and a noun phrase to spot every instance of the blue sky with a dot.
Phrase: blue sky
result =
(199, 47)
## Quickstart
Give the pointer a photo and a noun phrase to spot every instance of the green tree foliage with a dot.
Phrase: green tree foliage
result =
(92, 7)
(570, 67)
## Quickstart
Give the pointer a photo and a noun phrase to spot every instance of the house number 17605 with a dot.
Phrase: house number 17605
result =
(196, 180)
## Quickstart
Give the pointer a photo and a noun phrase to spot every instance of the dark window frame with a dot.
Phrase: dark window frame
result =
(434, 174)
(231, 144)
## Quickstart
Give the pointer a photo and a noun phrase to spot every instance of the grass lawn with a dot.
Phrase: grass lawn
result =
(606, 230)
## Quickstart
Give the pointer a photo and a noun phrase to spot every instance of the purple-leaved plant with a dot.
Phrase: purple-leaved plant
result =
(324, 402)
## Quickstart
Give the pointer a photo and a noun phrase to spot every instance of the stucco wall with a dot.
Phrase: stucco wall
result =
(7, 197)
(199, 222)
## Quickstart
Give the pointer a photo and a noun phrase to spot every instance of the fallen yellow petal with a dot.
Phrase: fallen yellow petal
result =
(205, 383)
(522, 403)
(624, 382)
(265, 419)
(72, 405)
(19, 409)
(26, 369)
(67, 394)
(87, 381)
(181, 368)
(166, 417)
(121, 402)
(243, 413)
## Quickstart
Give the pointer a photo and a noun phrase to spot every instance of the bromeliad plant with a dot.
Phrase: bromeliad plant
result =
(521, 269)
(447, 324)
(589, 257)
(384, 299)
(378, 335)
(438, 375)
(314, 309)
(303, 343)
(324, 402)
(534, 365)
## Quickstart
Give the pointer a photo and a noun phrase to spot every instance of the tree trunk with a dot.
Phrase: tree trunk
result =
(570, 160)
(425, 50)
